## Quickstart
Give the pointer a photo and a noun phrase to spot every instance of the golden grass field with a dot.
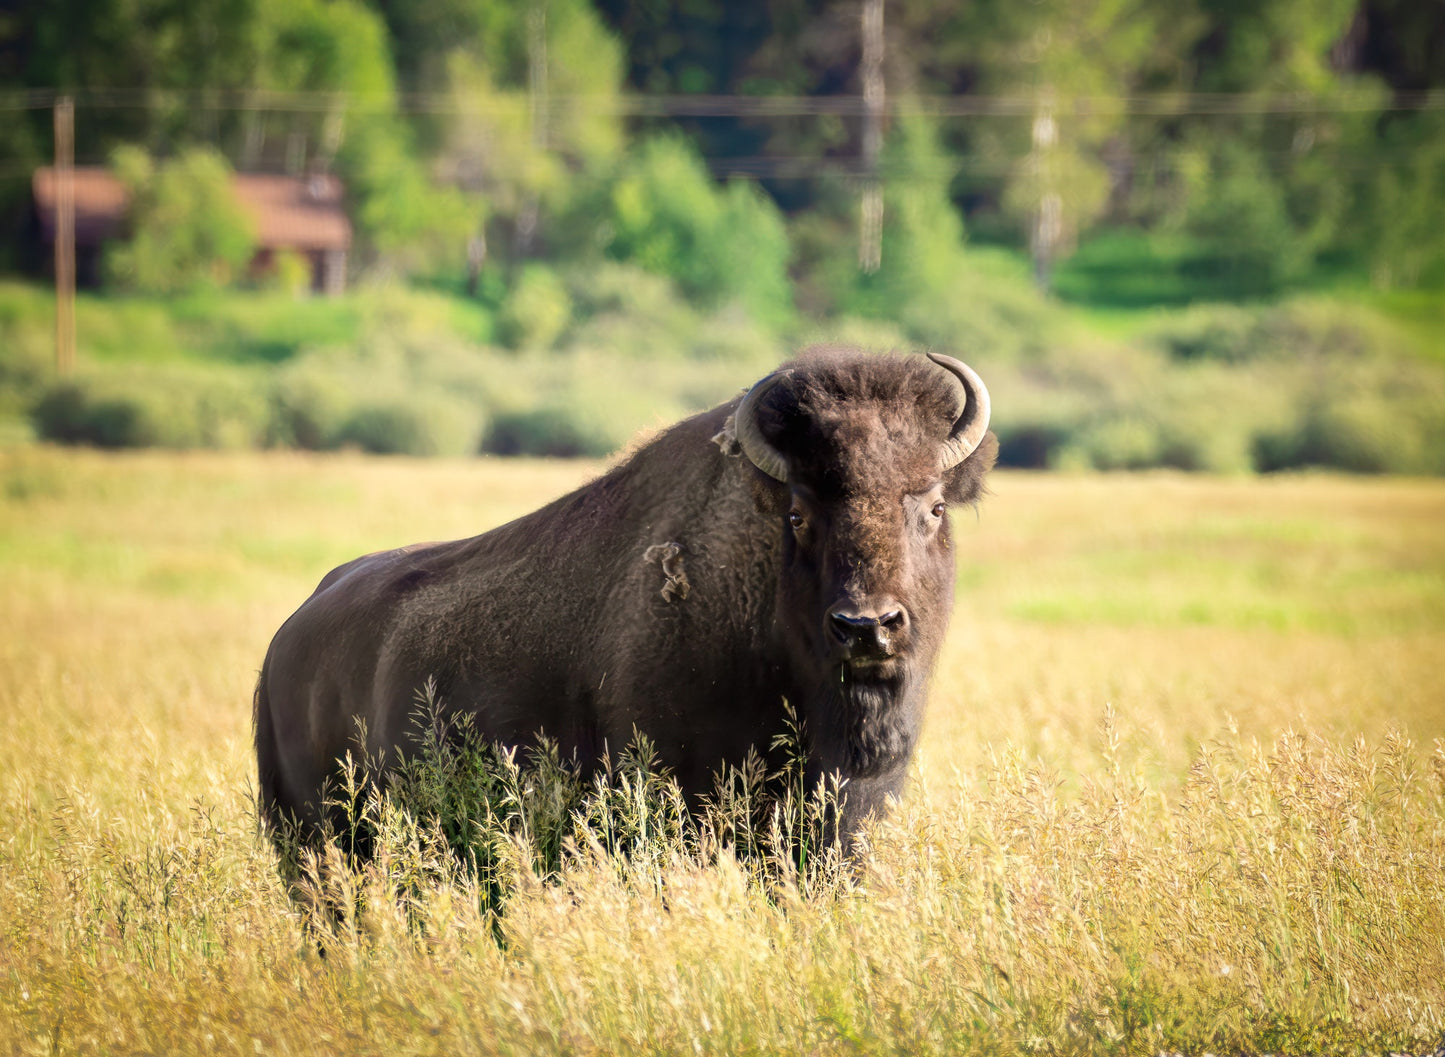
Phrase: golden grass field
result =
(1182, 789)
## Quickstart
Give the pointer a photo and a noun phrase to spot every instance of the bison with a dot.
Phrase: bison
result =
(792, 545)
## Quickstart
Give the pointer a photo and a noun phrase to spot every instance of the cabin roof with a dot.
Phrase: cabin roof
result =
(289, 212)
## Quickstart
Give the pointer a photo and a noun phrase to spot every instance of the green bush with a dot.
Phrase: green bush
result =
(735, 337)
(580, 419)
(878, 334)
(1398, 232)
(571, 403)
(186, 229)
(418, 423)
(1209, 259)
(625, 311)
(170, 408)
(382, 396)
(536, 311)
(1109, 407)
(290, 273)
(552, 428)
(1295, 331)
(1128, 442)
(1371, 417)
(988, 308)
(749, 250)
(1325, 329)
(26, 362)
(312, 405)
(1220, 333)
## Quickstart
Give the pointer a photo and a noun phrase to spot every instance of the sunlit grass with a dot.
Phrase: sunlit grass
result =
(1179, 790)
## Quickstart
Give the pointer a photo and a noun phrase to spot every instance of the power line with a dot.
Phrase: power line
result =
(743, 106)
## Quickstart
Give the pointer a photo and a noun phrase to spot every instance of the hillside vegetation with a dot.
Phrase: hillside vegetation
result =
(1181, 790)
(1309, 381)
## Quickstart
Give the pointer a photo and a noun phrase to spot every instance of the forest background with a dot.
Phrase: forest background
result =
(1192, 233)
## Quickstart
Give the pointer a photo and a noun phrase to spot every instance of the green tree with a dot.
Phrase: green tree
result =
(922, 232)
(187, 230)
(163, 53)
(923, 260)
(529, 145)
(1399, 235)
(665, 214)
(340, 46)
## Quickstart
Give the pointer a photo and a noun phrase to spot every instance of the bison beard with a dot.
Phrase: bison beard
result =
(873, 713)
(789, 546)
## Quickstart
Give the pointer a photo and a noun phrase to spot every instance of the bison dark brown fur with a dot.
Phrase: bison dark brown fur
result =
(684, 594)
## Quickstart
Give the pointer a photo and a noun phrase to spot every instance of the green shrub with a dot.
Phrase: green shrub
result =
(1109, 406)
(587, 408)
(1178, 266)
(878, 334)
(26, 363)
(552, 428)
(1129, 442)
(536, 311)
(1374, 417)
(312, 405)
(1295, 330)
(750, 251)
(567, 425)
(290, 273)
(382, 396)
(417, 423)
(1398, 233)
(601, 288)
(991, 307)
(627, 312)
(1326, 329)
(733, 336)
(1221, 333)
(171, 408)
(922, 247)
(187, 231)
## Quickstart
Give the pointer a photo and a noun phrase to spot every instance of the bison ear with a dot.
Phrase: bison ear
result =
(964, 483)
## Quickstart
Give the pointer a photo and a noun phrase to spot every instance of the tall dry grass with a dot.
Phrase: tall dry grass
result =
(1180, 789)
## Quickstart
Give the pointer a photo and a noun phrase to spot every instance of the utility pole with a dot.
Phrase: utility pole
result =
(525, 233)
(64, 235)
(1047, 230)
(870, 236)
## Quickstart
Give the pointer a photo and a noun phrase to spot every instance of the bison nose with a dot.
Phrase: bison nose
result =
(866, 634)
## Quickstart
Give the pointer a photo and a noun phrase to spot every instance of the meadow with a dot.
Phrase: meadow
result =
(1182, 789)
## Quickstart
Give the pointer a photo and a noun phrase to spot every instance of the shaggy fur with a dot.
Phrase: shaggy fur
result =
(674, 576)
(577, 622)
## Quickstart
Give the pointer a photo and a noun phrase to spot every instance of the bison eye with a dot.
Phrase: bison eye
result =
(795, 519)
(939, 508)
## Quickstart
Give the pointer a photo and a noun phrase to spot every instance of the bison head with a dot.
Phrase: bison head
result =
(863, 457)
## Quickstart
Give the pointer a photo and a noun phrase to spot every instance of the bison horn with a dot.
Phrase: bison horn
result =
(972, 423)
(750, 436)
